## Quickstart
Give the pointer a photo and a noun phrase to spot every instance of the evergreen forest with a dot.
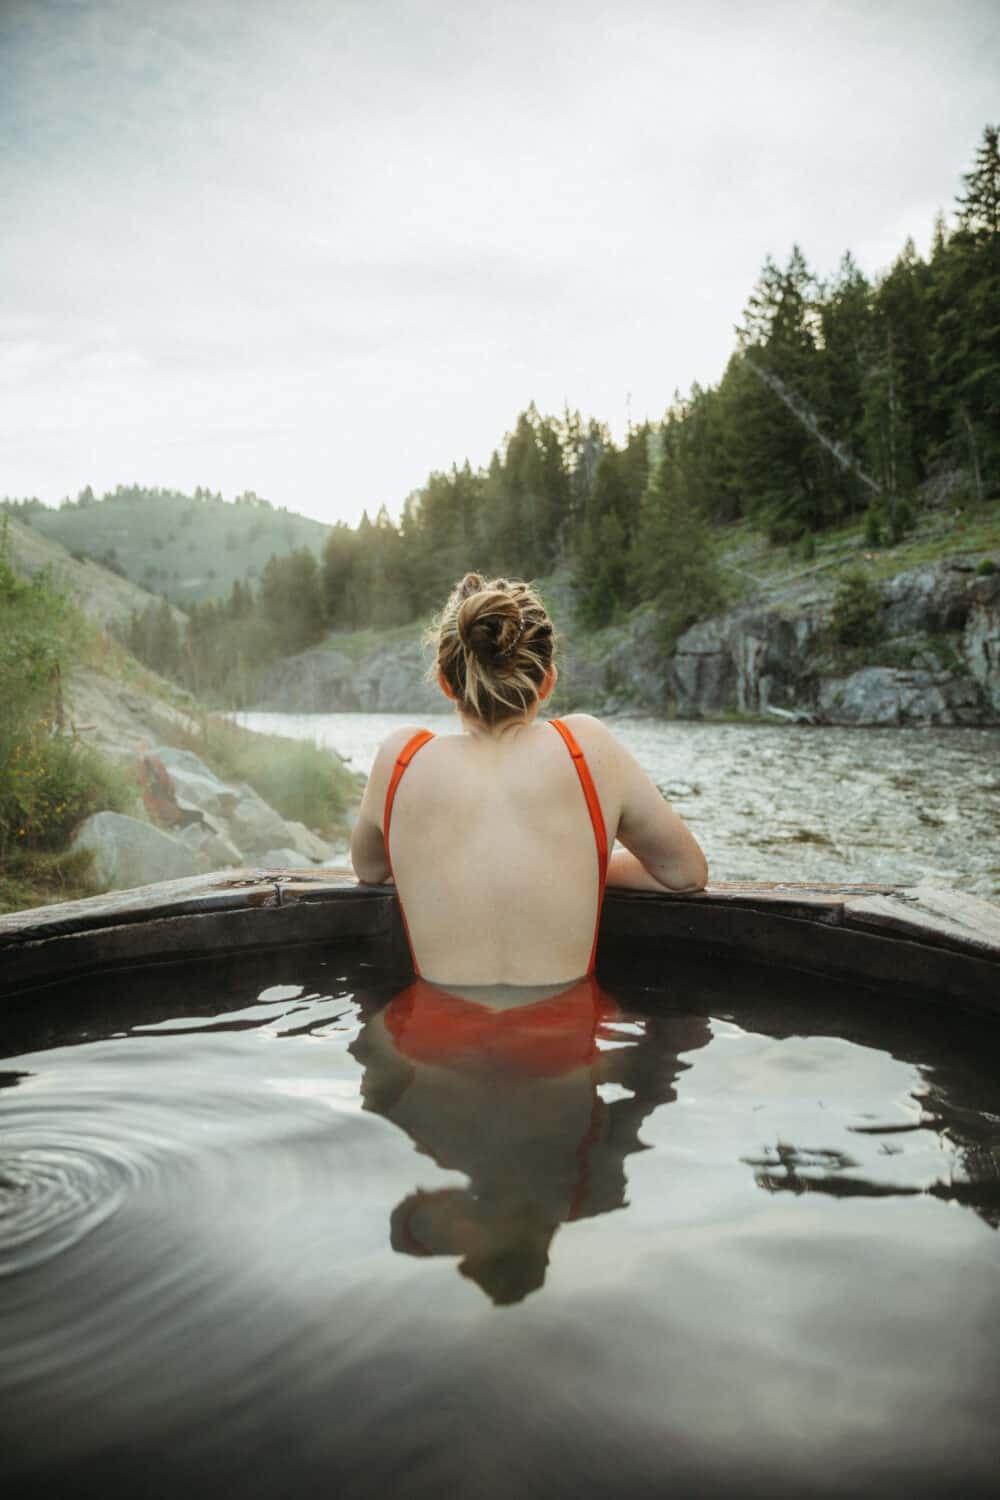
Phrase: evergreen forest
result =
(846, 400)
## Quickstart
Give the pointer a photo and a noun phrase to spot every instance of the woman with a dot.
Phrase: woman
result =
(498, 838)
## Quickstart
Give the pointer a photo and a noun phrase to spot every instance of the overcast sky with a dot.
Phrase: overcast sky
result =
(317, 248)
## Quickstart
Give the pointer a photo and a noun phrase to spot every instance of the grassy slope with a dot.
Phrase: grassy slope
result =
(103, 597)
(758, 568)
(190, 550)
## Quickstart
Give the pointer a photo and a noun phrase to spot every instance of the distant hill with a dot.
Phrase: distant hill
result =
(103, 596)
(188, 547)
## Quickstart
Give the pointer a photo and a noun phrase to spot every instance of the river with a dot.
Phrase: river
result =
(780, 802)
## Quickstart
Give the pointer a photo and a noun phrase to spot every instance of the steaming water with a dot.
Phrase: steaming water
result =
(250, 1246)
(770, 802)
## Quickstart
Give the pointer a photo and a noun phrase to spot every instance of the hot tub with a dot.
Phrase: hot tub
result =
(275, 1221)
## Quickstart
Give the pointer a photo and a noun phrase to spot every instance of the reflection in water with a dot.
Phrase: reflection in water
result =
(508, 1093)
(974, 1151)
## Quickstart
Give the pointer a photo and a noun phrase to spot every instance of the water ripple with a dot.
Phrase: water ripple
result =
(51, 1195)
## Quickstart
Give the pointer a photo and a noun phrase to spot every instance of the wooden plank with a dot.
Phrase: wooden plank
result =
(192, 892)
(234, 891)
(812, 903)
(876, 959)
(322, 885)
(939, 918)
(177, 938)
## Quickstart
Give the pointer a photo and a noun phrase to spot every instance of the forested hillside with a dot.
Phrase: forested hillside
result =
(846, 403)
(187, 547)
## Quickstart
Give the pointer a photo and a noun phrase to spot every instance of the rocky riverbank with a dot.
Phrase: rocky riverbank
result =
(936, 660)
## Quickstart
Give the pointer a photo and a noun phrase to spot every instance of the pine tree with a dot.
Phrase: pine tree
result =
(674, 557)
(965, 344)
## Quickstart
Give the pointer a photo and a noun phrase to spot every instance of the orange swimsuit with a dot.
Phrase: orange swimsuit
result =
(421, 738)
(542, 1039)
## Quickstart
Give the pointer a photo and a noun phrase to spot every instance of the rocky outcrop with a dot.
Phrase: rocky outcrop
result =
(128, 852)
(981, 639)
(939, 625)
(199, 824)
(390, 679)
(890, 696)
(937, 662)
(746, 661)
(222, 825)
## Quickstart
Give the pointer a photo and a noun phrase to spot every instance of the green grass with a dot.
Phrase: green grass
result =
(31, 877)
(750, 559)
(360, 643)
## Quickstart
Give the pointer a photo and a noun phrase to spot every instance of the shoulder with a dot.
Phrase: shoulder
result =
(400, 738)
(390, 749)
(601, 750)
(591, 733)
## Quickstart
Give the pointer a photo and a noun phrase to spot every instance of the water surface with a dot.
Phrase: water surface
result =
(261, 1235)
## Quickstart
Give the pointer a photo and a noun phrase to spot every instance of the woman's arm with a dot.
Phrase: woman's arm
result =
(661, 852)
(368, 856)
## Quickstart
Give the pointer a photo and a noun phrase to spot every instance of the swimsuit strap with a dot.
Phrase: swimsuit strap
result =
(409, 750)
(596, 818)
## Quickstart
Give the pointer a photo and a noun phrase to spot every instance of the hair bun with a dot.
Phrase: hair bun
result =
(489, 619)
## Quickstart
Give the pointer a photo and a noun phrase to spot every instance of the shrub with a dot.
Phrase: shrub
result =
(987, 568)
(31, 878)
(49, 781)
(68, 781)
(873, 526)
(855, 619)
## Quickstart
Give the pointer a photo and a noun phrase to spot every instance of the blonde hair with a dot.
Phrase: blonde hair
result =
(494, 644)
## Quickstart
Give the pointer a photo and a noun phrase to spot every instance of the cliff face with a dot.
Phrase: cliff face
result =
(937, 662)
(388, 678)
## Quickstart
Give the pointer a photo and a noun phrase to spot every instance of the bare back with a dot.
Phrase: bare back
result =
(502, 823)
(493, 850)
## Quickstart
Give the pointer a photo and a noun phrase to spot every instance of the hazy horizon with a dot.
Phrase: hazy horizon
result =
(318, 250)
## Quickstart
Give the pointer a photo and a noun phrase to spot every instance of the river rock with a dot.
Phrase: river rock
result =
(255, 826)
(128, 852)
(303, 838)
(209, 840)
(195, 786)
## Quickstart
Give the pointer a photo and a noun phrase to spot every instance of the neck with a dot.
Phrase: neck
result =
(482, 730)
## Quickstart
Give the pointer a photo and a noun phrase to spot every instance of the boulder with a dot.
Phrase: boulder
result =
(211, 843)
(128, 852)
(255, 826)
(303, 838)
(195, 786)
